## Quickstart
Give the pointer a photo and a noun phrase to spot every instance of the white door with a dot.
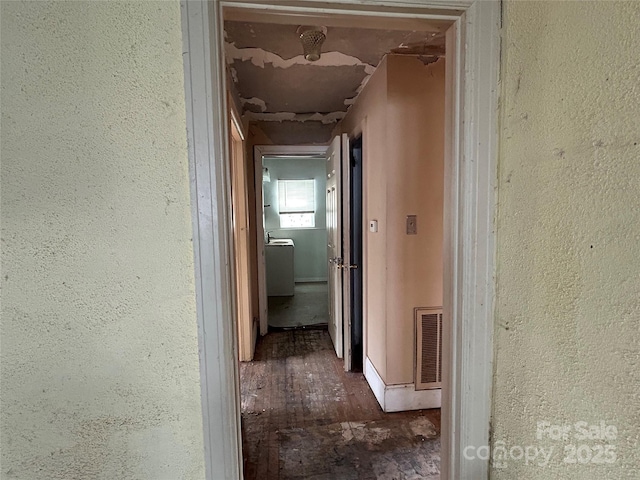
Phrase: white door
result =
(334, 244)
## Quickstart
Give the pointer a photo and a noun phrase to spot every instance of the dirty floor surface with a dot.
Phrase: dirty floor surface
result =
(309, 306)
(303, 417)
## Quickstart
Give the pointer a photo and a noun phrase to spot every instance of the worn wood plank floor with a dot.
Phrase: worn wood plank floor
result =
(296, 380)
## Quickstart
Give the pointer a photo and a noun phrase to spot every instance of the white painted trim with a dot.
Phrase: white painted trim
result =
(392, 9)
(402, 397)
(350, 7)
(470, 208)
(470, 179)
(375, 381)
(207, 130)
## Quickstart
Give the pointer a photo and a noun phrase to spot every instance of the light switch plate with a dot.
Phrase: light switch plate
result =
(412, 224)
(373, 226)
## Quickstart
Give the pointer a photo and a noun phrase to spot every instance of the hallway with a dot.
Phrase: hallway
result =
(295, 399)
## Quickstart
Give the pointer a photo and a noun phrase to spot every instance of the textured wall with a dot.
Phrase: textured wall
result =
(100, 375)
(568, 296)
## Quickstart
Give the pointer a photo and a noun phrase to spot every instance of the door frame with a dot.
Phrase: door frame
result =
(240, 229)
(259, 152)
(473, 51)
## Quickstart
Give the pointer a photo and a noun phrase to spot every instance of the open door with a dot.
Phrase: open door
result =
(334, 243)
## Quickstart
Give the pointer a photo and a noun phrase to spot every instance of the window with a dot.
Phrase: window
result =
(297, 203)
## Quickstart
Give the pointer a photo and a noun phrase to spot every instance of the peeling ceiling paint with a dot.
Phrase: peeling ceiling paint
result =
(255, 101)
(299, 88)
(260, 57)
(277, 85)
(324, 118)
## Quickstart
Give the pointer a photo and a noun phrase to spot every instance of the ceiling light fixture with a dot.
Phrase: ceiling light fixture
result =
(312, 39)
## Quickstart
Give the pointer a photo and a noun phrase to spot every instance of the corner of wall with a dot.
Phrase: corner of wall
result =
(400, 398)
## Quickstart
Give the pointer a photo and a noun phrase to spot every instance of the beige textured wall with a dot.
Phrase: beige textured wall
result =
(568, 288)
(100, 375)
(402, 110)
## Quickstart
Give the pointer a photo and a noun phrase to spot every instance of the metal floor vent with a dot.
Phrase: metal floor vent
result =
(428, 348)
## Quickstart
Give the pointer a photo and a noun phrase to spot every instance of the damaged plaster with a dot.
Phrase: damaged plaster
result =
(367, 44)
(300, 75)
(277, 84)
(299, 88)
(260, 57)
(325, 119)
(255, 101)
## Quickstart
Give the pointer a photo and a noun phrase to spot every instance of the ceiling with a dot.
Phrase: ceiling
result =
(297, 101)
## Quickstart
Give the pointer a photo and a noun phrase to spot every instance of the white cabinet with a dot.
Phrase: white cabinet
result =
(279, 260)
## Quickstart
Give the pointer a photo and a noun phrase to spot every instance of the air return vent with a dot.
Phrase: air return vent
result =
(428, 348)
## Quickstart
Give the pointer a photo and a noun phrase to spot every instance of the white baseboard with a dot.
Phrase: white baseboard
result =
(399, 398)
(375, 381)
(310, 279)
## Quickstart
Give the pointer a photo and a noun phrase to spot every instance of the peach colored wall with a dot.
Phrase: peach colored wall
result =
(401, 112)
(415, 186)
(369, 115)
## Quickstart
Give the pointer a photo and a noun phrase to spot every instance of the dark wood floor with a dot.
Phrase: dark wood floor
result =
(296, 380)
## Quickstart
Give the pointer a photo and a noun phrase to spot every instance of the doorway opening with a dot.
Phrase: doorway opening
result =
(468, 261)
(312, 214)
(294, 216)
(296, 252)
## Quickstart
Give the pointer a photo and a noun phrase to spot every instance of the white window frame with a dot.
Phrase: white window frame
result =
(473, 49)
